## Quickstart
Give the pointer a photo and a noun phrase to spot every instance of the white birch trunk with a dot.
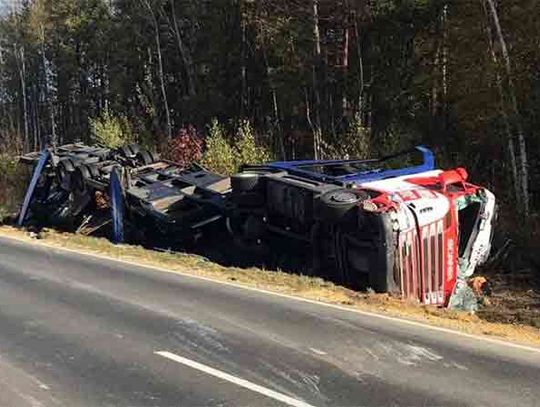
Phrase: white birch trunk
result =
(316, 68)
(160, 69)
(184, 54)
(50, 104)
(522, 147)
(22, 77)
(504, 113)
(361, 84)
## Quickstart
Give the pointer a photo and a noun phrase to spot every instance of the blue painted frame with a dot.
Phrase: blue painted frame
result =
(293, 167)
(117, 206)
(38, 170)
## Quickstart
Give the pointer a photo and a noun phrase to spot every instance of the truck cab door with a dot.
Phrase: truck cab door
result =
(476, 215)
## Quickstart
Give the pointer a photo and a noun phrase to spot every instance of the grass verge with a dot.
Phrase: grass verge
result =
(301, 286)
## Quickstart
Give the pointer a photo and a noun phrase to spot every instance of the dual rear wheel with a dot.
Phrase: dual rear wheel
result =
(140, 155)
(73, 177)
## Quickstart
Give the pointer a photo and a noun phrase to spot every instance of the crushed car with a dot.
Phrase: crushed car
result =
(409, 229)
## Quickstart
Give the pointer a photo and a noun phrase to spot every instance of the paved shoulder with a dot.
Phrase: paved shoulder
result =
(101, 332)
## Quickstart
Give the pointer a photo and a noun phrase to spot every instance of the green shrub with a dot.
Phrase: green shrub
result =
(354, 144)
(109, 130)
(219, 155)
(224, 157)
(246, 150)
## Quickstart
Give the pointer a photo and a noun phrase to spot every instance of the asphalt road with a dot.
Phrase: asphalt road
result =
(81, 331)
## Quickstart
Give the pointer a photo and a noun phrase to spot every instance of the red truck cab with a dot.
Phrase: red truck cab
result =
(420, 235)
(444, 228)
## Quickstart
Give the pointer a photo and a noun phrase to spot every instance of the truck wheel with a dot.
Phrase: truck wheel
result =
(135, 148)
(249, 180)
(103, 155)
(130, 150)
(94, 170)
(155, 156)
(245, 181)
(80, 176)
(336, 204)
(144, 157)
(125, 151)
(64, 171)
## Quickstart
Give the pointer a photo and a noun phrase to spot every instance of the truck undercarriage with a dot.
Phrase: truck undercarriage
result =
(411, 230)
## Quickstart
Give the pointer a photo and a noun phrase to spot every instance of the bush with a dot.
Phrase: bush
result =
(13, 178)
(219, 155)
(109, 130)
(11, 143)
(354, 144)
(225, 157)
(245, 147)
(184, 148)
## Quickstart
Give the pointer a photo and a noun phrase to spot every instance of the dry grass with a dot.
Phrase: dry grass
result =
(13, 177)
(301, 286)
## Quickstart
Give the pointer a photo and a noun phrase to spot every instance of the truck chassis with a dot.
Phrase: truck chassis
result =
(412, 230)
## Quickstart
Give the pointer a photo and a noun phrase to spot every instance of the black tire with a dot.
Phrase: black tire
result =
(337, 204)
(80, 176)
(130, 150)
(103, 155)
(94, 170)
(144, 157)
(64, 172)
(125, 151)
(250, 180)
(155, 156)
(245, 181)
(134, 148)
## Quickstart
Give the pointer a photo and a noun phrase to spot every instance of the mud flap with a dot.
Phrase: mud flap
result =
(43, 159)
(117, 205)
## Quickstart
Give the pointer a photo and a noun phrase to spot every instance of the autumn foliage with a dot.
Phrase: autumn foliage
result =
(186, 147)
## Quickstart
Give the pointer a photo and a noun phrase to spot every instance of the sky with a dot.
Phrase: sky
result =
(6, 5)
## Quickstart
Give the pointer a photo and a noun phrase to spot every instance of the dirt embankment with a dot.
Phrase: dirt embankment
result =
(497, 319)
(515, 299)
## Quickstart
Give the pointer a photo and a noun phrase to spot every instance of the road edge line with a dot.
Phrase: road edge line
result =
(246, 384)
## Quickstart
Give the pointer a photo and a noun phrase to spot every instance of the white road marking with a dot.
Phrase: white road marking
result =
(403, 321)
(234, 379)
(317, 351)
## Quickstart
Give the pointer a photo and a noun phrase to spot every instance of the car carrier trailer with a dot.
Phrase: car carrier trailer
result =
(408, 229)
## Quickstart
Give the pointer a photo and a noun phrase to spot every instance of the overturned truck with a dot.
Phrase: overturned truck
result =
(408, 229)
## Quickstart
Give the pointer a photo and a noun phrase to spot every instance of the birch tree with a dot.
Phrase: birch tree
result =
(155, 25)
(522, 163)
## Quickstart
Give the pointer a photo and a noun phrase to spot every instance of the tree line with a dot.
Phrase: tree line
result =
(314, 78)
